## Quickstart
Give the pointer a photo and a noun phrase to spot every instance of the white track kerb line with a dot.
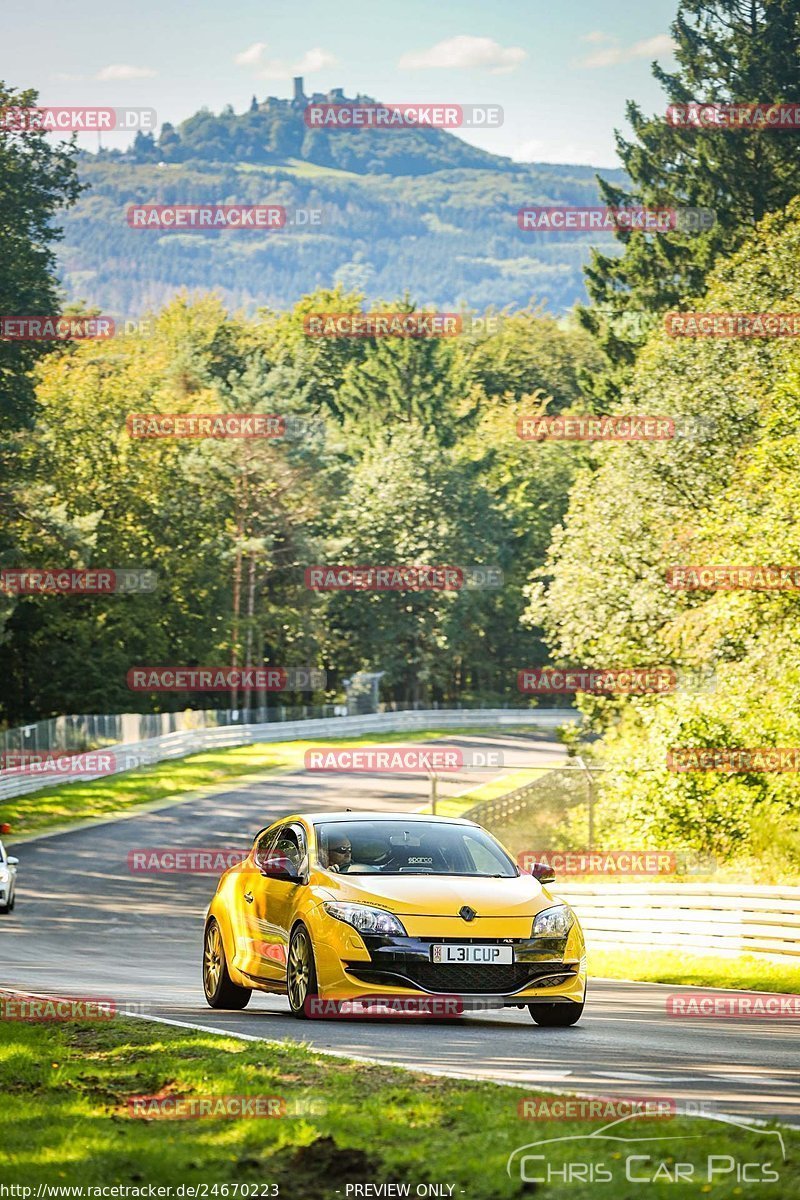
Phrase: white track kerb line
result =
(473, 1077)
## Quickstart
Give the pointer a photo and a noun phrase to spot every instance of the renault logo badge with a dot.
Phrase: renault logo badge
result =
(467, 913)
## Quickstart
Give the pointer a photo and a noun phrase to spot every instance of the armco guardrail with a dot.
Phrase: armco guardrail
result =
(178, 745)
(694, 917)
(514, 804)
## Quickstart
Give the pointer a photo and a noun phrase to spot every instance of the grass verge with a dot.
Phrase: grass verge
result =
(708, 970)
(65, 1120)
(457, 805)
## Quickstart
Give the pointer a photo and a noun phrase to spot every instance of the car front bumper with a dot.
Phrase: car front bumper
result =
(544, 969)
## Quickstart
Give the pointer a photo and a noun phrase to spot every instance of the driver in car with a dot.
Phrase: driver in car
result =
(338, 854)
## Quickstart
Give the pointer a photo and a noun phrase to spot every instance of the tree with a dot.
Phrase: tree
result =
(728, 51)
(725, 493)
(37, 179)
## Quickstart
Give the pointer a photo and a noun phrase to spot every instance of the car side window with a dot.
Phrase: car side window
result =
(302, 846)
(287, 847)
(264, 845)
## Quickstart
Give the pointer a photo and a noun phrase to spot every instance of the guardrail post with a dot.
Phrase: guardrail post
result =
(591, 799)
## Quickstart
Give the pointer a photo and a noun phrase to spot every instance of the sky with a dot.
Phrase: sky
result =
(562, 72)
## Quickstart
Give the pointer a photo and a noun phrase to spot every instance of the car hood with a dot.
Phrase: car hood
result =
(437, 895)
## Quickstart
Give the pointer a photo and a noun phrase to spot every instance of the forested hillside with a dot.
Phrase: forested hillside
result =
(449, 237)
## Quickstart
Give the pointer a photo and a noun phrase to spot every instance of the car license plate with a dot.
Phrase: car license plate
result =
(484, 955)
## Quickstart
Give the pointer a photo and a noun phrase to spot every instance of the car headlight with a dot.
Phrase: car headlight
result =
(554, 922)
(366, 919)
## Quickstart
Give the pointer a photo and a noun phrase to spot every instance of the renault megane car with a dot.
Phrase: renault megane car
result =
(342, 905)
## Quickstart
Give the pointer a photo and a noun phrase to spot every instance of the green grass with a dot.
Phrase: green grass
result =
(665, 966)
(71, 803)
(457, 805)
(65, 1120)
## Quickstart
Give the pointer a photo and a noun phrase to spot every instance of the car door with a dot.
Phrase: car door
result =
(290, 846)
(252, 941)
(267, 906)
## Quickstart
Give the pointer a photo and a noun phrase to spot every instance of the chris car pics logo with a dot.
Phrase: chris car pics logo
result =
(632, 1152)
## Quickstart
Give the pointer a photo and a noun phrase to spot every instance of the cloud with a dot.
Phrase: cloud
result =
(613, 55)
(464, 53)
(251, 55)
(119, 71)
(526, 152)
(597, 36)
(312, 60)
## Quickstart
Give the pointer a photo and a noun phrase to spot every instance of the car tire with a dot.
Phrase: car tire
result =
(220, 990)
(301, 972)
(557, 1016)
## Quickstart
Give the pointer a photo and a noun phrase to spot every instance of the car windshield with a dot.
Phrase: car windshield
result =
(409, 848)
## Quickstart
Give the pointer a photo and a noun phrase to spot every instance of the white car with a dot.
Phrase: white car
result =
(8, 880)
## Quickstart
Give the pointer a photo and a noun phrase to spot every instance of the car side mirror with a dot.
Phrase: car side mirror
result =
(279, 868)
(12, 862)
(543, 872)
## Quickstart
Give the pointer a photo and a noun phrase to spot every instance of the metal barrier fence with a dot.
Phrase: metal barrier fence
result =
(696, 918)
(128, 755)
(535, 815)
(76, 733)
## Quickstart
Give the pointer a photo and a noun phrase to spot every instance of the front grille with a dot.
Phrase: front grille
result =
(463, 978)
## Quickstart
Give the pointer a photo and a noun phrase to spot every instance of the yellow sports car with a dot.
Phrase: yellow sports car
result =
(337, 906)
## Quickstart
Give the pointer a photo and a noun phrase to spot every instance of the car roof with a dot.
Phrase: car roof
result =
(319, 818)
